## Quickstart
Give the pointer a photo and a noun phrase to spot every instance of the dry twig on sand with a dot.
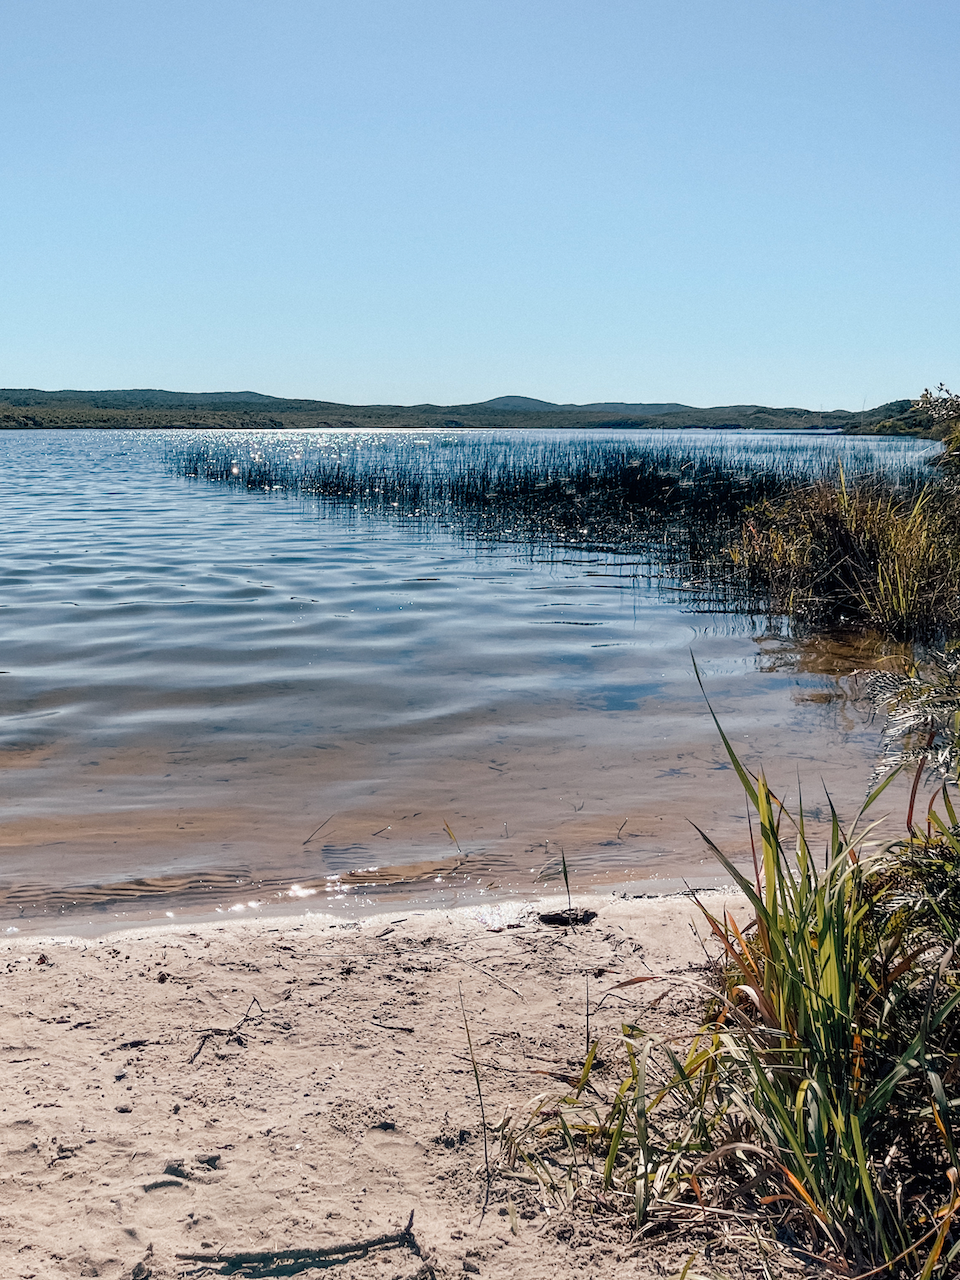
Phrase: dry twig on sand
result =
(209, 1032)
(275, 1259)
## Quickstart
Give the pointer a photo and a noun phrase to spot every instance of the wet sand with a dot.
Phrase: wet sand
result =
(343, 825)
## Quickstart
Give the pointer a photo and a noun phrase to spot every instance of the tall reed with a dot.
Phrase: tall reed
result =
(858, 554)
(680, 501)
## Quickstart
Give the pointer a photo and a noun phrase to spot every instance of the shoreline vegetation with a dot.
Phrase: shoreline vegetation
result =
(827, 552)
(866, 553)
(787, 532)
(816, 1101)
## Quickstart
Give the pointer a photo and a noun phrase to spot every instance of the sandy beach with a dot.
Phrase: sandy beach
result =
(306, 1083)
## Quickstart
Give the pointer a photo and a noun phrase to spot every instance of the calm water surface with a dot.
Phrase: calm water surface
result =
(197, 677)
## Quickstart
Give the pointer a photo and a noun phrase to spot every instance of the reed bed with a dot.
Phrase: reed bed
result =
(858, 555)
(817, 1099)
(682, 501)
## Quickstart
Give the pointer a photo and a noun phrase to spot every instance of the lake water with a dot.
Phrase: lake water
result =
(219, 699)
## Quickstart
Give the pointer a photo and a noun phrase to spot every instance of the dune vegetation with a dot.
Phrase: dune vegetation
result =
(816, 1101)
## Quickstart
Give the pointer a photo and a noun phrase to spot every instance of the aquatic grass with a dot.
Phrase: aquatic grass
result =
(556, 486)
(858, 554)
(581, 480)
(676, 500)
(817, 1097)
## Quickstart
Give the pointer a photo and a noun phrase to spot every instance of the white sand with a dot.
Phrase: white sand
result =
(346, 1100)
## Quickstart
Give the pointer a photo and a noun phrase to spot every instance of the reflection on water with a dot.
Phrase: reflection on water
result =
(197, 678)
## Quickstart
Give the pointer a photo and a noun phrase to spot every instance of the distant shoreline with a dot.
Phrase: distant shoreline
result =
(29, 409)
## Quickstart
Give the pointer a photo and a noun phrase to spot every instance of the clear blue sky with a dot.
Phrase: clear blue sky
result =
(711, 201)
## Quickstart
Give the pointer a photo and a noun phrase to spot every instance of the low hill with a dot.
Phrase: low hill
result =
(523, 404)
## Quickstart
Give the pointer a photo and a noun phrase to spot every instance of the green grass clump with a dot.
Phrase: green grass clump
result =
(819, 1096)
(858, 555)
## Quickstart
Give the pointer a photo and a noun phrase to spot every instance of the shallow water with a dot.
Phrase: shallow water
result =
(196, 677)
